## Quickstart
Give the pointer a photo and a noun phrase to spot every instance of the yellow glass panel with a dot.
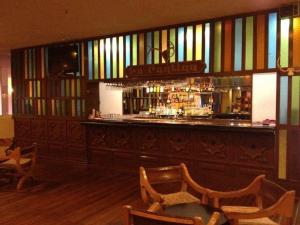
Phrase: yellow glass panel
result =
(73, 88)
(114, 56)
(141, 49)
(102, 69)
(282, 163)
(173, 40)
(199, 42)
(121, 57)
(156, 46)
(284, 42)
(96, 60)
(164, 42)
(189, 43)
(134, 49)
(296, 42)
(218, 46)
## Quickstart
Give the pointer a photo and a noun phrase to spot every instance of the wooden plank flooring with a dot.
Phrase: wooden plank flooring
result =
(63, 195)
(67, 195)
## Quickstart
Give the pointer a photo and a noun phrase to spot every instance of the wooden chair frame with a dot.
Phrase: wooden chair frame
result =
(148, 193)
(129, 212)
(23, 171)
(282, 207)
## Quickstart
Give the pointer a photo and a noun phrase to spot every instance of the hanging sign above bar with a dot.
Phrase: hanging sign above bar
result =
(165, 70)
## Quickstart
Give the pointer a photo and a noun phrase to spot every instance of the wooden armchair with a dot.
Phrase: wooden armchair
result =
(151, 217)
(273, 204)
(20, 162)
(167, 175)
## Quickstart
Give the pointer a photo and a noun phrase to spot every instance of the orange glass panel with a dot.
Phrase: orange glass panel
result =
(82, 59)
(228, 46)
(164, 44)
(296, 42)
(141, 49)
(260, 41)
(26, 63)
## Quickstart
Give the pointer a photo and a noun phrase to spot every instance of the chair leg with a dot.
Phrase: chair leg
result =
(21, 181)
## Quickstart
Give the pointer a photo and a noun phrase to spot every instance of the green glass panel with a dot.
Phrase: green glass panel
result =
(44, 107)
(96, 59)
(78, 88)
(63, 108)
(62, 88)
(134, 49)
(173, 40)
(284, 42)
(114, 56)
(156, 46)
(189, 43)
(217, 46)
(295, 100)
(249, 43)
(38, 89)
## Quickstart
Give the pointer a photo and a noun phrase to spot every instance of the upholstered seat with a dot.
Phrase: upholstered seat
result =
(179, 198)
(150, 178)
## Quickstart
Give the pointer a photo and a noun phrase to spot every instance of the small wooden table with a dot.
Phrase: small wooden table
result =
(195, 210)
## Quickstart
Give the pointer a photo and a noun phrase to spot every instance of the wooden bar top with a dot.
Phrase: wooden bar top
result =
(214, 124)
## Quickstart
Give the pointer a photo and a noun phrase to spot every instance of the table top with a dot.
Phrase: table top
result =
(194, 210)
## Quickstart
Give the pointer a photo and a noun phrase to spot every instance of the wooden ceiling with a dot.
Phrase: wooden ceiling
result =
(35, 22)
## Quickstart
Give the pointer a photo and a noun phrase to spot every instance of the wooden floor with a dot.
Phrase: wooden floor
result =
(67, 195)
(63, 195)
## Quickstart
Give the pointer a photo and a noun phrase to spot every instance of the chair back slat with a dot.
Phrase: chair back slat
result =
(164, 175)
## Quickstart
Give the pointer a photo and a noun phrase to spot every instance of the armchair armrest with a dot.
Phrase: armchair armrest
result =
(253, 188)
(193, 184)
(214, 218)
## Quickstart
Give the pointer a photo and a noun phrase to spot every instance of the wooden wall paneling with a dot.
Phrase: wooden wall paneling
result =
(147, 140)
(57, 131)
(293, 158)
(75, 133)
(101, 158)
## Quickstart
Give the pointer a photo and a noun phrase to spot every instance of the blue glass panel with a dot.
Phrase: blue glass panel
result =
(127, 49)
(238, 35)
(272, 36)
(284, 87)
(78, 107)
(180, 44)
(107, 57)
(90, 56)
(207, 44)
(149, 47)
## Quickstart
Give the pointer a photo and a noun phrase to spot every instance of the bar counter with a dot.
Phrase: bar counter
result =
(215, 151)
(215, 124)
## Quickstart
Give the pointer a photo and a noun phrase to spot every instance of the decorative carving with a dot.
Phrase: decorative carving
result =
(165, 70)
(39, 129)
(290, 71)
(166, 54)
(22, 128)
(147, 140)
(96, 137)
(75, 132)
(57, 130)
